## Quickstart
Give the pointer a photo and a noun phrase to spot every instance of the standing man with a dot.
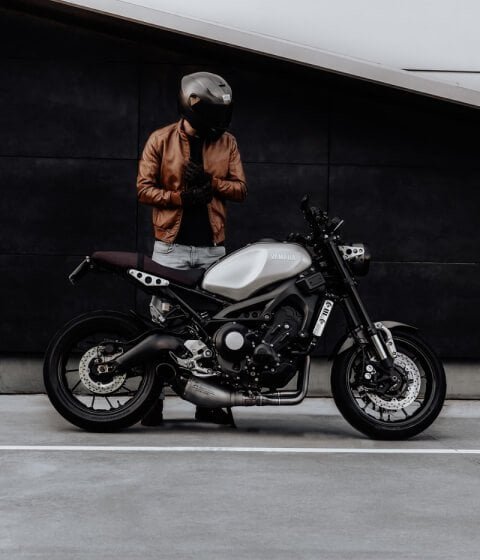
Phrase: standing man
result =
(187, 172)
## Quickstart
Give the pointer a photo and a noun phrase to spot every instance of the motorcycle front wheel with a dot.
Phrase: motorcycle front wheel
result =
(395, 415)
(79, 383)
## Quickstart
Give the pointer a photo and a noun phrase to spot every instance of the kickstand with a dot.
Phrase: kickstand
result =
(230, 417)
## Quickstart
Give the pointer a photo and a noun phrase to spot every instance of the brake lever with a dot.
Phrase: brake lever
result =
(336, 223)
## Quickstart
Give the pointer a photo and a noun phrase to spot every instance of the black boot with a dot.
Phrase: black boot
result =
(154, 417)
(215, 416)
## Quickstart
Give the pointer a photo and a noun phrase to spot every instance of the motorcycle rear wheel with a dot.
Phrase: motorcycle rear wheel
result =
(373, 414)
(84, 399)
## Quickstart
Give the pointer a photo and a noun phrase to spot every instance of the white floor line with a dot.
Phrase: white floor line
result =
(178, 449)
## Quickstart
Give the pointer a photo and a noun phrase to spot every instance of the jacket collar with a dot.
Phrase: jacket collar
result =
(181, 131)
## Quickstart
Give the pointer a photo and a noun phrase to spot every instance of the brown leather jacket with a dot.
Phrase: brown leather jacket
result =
(160, 172)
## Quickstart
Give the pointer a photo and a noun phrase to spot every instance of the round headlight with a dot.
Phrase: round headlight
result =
(360, 265)
(357, 256)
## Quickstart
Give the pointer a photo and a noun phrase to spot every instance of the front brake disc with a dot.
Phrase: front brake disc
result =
(412, 374)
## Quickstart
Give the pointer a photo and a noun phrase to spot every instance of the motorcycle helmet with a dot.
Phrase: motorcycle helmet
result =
(205, 101)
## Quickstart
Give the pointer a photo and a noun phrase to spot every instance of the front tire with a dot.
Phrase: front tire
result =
(85, 397)
(399, 418)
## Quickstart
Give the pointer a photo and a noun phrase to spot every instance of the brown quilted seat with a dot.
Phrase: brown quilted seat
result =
(124, 260)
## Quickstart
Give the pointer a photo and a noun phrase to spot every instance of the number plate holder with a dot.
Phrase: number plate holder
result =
(323, 317)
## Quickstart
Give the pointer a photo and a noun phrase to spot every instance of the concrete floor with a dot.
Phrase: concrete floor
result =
(246, 504)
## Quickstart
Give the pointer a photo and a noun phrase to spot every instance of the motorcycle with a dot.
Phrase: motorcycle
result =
(238, 333)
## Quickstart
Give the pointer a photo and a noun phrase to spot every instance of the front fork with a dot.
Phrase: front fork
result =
(384, 345)
(361, 325)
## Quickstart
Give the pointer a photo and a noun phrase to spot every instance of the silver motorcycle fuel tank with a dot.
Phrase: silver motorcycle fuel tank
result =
(240, 274)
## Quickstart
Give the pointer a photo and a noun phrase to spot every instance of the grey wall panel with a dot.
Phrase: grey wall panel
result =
(383, 130)
(67, 206)
(68, 109)
(36, 299)
(409, 214)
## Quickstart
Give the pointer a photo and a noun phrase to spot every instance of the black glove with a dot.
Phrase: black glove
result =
(197, 196)
(194, 176)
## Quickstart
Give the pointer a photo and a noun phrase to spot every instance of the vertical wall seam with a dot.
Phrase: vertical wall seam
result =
(139, 92)
(328, 146)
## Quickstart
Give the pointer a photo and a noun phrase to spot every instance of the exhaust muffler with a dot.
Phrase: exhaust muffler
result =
(207, 393)
(203, 392)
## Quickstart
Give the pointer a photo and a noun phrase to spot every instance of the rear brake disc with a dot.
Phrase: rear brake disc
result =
(95, 385)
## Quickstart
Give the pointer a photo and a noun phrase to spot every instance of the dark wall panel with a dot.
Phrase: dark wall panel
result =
(382, 130)
(90, 36)
(67, 206)
(158, 98)
(288, 123)
(27, 36)
(79, 95)
(273, 201)
(145, 234)
(272, 207)
(36, 299)
(443, 301)
(408, 214)
(68, 109)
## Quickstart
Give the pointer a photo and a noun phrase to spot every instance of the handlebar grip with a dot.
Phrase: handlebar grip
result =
(304, 204)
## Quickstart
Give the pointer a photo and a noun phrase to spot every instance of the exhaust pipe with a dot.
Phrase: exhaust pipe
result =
(147, 349)
(204, 392)
(289, 398)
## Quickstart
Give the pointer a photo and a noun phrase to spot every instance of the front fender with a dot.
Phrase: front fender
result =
(347, 341)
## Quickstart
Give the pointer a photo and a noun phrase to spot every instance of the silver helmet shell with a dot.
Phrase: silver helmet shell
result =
(205, 101)
(242, 273)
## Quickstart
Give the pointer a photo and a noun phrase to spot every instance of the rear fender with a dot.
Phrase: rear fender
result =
(347, 341)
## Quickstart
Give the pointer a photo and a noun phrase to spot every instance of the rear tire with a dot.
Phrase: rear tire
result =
(372, 419)
(71, 397)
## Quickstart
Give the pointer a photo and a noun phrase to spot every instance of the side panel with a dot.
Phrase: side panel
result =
(242, 273)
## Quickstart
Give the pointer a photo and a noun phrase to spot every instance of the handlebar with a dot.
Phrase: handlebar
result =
(317, 219)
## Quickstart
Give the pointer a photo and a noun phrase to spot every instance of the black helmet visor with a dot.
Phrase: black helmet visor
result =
(214, 116)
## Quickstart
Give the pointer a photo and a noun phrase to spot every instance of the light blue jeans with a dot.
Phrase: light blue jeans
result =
(182, 257)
